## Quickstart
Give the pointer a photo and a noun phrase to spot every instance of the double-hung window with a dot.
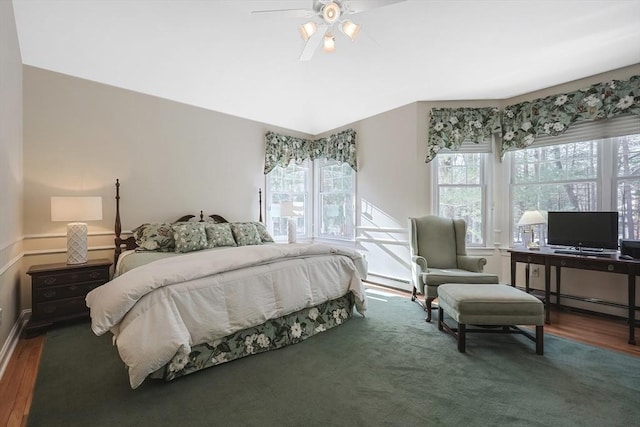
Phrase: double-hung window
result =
(460, 187)
(318, 195)
(593, 166)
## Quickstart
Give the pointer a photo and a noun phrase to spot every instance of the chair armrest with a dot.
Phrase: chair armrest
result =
(472, 263)
(418, 267)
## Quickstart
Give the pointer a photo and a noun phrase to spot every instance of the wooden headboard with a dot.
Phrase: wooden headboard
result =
(130, 242)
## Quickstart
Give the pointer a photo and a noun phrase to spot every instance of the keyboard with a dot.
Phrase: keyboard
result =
(583, 253)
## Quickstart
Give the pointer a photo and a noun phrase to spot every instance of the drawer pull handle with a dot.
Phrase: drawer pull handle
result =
(610, 267)
(73, 287)
(49, 280)
(528, 259)
(94, 274)
(563, 262)
(50, 294)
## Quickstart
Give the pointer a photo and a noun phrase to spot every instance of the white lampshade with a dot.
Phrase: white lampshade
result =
(308, 29)
(291, 209)
(76, 208)
(531, 218)
(350, 29)
(329, 43)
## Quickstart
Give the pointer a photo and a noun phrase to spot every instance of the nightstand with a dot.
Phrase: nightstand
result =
(58, 291)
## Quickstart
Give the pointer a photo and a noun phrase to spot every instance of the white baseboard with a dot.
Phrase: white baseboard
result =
(11, 342)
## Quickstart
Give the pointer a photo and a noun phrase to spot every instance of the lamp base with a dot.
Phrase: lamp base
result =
(76, 243)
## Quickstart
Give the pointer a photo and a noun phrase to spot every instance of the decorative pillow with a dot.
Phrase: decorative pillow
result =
(155, 236)
(263, 233)
(190, 237)
(245, 233)
(219, 235)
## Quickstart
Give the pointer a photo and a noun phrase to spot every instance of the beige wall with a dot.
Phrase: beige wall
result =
(171, 159)
(11, 175)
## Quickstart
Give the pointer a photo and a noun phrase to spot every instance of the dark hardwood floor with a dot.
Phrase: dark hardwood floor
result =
(17, 384)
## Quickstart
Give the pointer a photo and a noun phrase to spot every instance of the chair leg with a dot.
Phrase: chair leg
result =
(427, 306)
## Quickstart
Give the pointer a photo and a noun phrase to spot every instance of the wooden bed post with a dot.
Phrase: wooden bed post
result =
(118, 225)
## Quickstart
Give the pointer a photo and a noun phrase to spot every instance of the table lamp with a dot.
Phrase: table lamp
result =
(291, 210)
(529, 220)
(75, 209)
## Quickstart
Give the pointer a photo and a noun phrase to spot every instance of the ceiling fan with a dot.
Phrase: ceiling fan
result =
(325, 16)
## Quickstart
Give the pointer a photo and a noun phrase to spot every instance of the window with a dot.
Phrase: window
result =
(288, 189)
(292, 192)
(627, 185)
(335, 191)
(589, 175)
(460, 190)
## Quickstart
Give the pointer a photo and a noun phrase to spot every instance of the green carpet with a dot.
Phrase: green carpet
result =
(388, 369)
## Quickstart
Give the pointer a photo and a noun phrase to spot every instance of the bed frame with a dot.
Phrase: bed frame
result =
(307, 322)
(130, 242)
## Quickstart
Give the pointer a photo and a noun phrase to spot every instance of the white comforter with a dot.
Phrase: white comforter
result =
(167, 306)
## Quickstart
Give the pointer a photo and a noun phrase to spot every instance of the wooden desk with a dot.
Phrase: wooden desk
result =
(547, 257)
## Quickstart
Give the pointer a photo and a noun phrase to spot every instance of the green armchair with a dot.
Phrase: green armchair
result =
(439, 255)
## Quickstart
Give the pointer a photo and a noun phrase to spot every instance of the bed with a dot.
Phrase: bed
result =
(172, 314)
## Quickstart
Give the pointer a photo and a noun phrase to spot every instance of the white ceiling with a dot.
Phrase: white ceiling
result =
(217, 55)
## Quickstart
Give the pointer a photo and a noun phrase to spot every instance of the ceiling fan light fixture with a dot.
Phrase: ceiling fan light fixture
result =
(350, 29)
(329, 44)
(308, 29)
(331, 13)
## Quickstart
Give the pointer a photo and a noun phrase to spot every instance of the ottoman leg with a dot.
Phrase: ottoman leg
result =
(540, 339)
(461, 337)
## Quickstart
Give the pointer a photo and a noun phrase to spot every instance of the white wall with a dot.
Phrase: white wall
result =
(11, 174)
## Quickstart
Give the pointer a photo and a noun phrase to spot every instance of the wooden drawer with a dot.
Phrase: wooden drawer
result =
(62, 278)
(50, 293)
(597, 264)
(61, 308)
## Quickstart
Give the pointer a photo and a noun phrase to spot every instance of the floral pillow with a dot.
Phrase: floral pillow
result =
(190, 237)
(245, 233)
(156, 236)
(262, 231)
(219, 235)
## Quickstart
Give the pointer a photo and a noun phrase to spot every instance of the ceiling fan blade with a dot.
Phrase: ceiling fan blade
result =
(312, 44)
(357, 6)
(291, 13)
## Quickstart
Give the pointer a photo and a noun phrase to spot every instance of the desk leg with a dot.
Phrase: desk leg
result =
(527, 271)
(632, 308)
(513, 270)
(547, 289)
(558, 286)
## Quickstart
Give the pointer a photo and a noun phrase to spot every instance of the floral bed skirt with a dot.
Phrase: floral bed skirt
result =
(271, 335)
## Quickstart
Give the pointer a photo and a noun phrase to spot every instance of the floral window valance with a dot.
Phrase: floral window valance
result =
(450, 127)
(281, 149)
(553, 115)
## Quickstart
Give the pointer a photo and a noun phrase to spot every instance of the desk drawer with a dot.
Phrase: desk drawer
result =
(530, 258)
(591, 264)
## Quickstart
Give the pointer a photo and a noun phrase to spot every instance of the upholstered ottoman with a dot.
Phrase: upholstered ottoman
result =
(499, 308)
